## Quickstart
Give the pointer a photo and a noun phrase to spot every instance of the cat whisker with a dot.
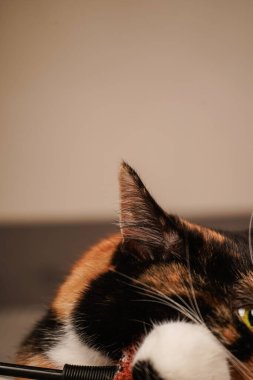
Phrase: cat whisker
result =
(194, 304)
(172, 304)
(183, 312)
(239, 366)
(160, 297)
(181, 299)
(156, 292)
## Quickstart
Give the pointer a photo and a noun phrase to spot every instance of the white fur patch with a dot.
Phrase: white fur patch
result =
(71, 350)
(184, 351)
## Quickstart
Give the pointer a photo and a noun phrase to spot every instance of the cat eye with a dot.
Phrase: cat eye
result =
(246, 315)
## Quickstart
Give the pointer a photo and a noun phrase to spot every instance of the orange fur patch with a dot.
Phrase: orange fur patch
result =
(249, 365)
(230, 334)
(167, 279)
(207, 233)
(235, 374)
(36, 361)
(92, 264)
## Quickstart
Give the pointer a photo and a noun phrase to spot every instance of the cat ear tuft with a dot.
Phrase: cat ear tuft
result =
(141, 218)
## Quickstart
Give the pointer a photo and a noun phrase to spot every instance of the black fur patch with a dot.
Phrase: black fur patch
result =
(45, 335)
(117, 318)
(143, 370)
(243, 347)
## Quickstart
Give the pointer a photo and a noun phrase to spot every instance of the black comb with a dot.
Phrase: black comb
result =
(69, 372)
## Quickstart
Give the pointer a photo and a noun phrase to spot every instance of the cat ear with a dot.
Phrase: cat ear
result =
(141, 218)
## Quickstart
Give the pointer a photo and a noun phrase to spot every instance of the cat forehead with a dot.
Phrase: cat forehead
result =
(208, 234)
(235, 243)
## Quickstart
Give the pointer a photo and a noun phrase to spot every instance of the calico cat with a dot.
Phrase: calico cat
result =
(173, 297)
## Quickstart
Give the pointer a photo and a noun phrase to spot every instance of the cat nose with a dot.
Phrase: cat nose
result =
(143, 370)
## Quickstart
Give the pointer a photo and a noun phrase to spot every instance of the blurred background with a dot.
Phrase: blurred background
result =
(166, 85)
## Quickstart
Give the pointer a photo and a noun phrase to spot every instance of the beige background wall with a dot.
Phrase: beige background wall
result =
(166, 85)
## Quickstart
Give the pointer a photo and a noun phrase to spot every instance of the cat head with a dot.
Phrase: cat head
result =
(179, 292)
(205, 275)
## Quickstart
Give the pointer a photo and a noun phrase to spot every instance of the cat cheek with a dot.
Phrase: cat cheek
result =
(181, 350)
